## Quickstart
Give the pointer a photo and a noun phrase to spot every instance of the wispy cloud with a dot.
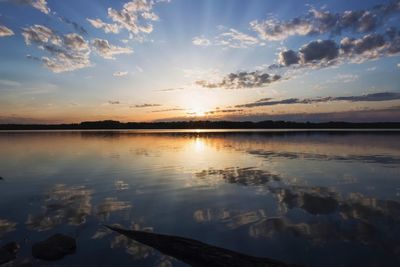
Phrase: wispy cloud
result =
(384, 96)
(171, 89)
(120, 73)
(146, 105)
(4, 31)
(67, 53)
(231, 38)
(114, 102)
(222, 111)
(79, 28)
(242, 80)
(201, 41)
(108, 51)
(168, 110)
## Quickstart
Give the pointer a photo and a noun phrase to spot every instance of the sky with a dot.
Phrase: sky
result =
(166, 60)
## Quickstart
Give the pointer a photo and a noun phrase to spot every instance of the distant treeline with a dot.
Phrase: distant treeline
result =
(109, 124)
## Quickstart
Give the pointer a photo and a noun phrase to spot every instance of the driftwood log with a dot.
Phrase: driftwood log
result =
(196, 253)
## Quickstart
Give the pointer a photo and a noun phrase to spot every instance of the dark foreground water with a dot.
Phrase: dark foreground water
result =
(312, 198)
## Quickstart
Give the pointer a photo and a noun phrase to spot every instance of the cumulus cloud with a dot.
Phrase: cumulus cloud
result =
(319, 50)
(4, 31)
(242, 80)
(40, 5)
(136, 17)
(384, 96)
(107, 27)
(146, 105)
(231, 38)
(322, 21)
(120, 73)
(108, 51)
(67, 53)
(328, 52)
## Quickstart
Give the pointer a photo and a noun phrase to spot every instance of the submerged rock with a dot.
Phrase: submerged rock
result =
(54, 248)
(8, 252)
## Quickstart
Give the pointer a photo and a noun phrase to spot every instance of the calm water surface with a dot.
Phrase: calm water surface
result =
(312, 198)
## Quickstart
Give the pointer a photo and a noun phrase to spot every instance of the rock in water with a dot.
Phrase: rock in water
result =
(54, 247)
(8, 252)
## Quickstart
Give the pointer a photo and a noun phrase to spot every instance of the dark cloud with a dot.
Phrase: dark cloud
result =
(327, 52)
(146, 105)
(322, 21)
(314, 52)
(79, 28)
(241, 80)
(219, 111)
(385, 96)
(288, 57)
(114, 102)
(168, 110)
(318, 51)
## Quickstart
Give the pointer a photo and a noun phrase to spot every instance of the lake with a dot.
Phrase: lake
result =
(317, 198)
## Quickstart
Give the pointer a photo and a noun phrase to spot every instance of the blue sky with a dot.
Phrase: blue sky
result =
(69, 61)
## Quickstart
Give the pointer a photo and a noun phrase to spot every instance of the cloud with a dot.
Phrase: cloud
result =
(236, 39)
(108, 51)
(384, 96)
(40, 35)
(67, 53)
(231, 38)
(168, 110)
(80, 29)
(114, 102)
(145, 105)
(319, 50)
(171, 89)
(219, 111)
(242, 80)
(322, 53)
(136, 17)
(108, 28)
(4, 31)
(40, 5)
(346, 78)
(288, 57)
(120, 73)
(321, 22)
(201, 41)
